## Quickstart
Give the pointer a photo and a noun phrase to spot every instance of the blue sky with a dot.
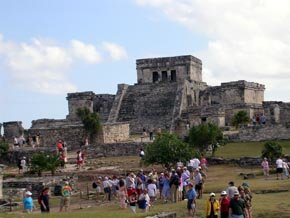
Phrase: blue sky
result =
(50, 48)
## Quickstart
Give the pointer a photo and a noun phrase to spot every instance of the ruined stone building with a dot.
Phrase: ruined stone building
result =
(169, 94)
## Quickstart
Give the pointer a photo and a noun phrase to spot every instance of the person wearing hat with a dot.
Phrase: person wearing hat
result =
(237, 206)
(212, 207)
(66, 193)
(28, 202)
(191, 203)
(224, 204)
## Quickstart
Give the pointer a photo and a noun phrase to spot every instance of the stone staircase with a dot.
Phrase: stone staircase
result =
(148, 106)
(113, 116)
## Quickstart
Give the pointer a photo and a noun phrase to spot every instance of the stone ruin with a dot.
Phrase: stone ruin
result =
(169, 95)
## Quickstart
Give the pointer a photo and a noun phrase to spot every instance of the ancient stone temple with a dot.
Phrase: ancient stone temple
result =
(170, 94)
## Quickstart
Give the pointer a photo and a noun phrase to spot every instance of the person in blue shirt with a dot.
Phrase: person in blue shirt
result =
(191, 203)
(28, 202)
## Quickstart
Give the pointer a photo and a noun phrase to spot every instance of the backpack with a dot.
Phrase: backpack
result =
(94, 185)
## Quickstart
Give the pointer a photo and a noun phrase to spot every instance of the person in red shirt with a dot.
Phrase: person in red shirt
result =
(59, 146)
(224, 205)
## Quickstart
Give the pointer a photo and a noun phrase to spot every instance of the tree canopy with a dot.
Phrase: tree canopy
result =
(272, 150)
(43, 162)
(240, 118)
(202, 136)
(90, 120)
(167, 150)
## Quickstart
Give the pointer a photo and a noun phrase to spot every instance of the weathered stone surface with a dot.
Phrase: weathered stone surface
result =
(11, 129)
(262, 133)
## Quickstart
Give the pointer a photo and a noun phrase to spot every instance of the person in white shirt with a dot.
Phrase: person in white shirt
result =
(279, 167)
(152, 190)
(107, 189)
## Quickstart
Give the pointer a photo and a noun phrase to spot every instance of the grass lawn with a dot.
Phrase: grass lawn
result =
(270, 205)
(247, 149)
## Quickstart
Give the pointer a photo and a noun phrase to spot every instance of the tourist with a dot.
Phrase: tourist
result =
(212, 208)
(142, 153)
(123, 196)
(152, 190)
(198, 183)
(144, 201)
(115, 185)
(254, 120)
(237, 206)
(161, 184)
(20, 169)
(79, 159)
(98, 187)
(166, 187)
(248, 202)
(23, 164)
(265, 166)
(44, 201)
(151, 134)
(224, 205)
(279, 168)
(203, 164)
(191, 200)
(195, 163)
(174, 183)
(133, 201)
(28, 202)
(130, 183)
(263, 119)
(285, 169)
(107, 189)
(232, 189)
(59, 146)
(65, 199)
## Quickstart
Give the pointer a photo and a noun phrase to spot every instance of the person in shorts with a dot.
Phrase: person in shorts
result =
(65, 200)
(191, 203)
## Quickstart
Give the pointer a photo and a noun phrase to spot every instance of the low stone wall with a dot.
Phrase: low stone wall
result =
(242, 161)
(115, 149)
(115, 132)
(261, 133)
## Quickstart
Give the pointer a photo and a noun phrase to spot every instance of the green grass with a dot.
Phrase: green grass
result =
(247, 149)
(270, 205)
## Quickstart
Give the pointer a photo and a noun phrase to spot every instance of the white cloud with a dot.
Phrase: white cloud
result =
(43, 66)
(247, 39)
(115, 51)
(86, 52)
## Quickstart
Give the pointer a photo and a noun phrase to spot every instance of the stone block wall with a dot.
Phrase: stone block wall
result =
(79, 100)
(11, 129)
(102, 104)
(115, 132)
(277, 112)
(184, 67)
(263, 133)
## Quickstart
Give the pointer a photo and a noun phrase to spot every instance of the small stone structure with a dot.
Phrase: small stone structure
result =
(13, 129)
(72, 132)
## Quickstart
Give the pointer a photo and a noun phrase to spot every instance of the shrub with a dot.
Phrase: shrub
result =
(272, 150)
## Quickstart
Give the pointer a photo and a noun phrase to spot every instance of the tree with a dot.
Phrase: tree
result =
(205, 135)
(240, 118)
(4, 147)
(272, 150)
(167, 150)
(43, 162)
(91, 122)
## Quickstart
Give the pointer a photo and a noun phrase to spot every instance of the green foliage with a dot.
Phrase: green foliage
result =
(272, 150)
(167, 150)
(4, 147)
(200, 137)
(90, 120)
(240, 118)
(43, 162)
